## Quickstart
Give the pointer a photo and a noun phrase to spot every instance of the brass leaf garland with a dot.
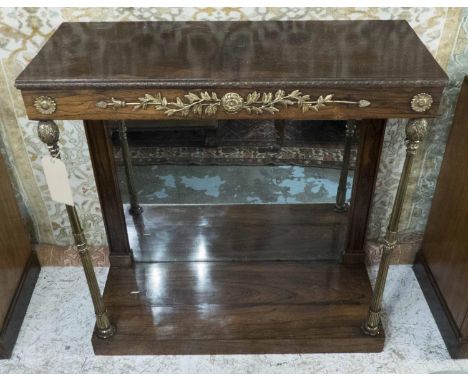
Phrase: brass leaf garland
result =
(208, 104)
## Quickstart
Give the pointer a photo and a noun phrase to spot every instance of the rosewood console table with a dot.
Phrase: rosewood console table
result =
(362, 71)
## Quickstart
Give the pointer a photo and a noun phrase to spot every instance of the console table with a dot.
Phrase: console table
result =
(359, 71)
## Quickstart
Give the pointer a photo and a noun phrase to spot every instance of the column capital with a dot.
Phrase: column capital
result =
(416, 131)
(48, 132)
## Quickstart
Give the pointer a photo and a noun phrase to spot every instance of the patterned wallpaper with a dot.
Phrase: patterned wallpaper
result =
(24, 30)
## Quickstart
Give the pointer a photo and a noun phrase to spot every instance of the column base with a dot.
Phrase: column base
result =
(371, 331)
(135, 210)
(105, 333)
(341, 208)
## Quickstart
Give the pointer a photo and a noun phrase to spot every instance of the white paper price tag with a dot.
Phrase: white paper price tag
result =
(57, 180)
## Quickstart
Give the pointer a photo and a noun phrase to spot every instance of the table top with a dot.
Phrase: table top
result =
(232, 54)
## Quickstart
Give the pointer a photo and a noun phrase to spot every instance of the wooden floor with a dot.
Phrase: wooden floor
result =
(236, 279)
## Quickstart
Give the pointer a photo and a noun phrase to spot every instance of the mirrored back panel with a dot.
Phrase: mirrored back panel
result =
(236, 190)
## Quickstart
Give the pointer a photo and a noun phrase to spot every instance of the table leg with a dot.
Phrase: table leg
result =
(49, 134)
(340, 204)
(107, 183)
(135, 208)
(415, 131)
(371, 134)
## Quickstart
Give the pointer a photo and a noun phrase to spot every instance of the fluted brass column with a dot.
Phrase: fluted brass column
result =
(415, 132)
(49, 134)
(135, 208)
(341, 192)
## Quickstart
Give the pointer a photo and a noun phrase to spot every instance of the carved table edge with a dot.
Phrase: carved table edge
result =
(132, 84)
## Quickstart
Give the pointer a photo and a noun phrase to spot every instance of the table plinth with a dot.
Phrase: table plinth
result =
(238, 308)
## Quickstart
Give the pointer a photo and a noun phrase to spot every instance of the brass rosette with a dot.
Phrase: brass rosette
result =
(421, 102)
(45, 104)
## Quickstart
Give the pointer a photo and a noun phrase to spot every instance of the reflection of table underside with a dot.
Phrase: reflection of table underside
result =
(238, 279)
(237, 232)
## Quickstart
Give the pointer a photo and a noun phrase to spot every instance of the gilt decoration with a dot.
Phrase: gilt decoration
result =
(421, 102)
(45, 104)
(206, 103)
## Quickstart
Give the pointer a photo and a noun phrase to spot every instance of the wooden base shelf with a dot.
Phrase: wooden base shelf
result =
(228, 291)
(234, 307)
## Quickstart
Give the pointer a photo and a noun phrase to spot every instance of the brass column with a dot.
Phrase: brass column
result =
(415, 131)
(135, 208)
(49, 134)
(341, 192)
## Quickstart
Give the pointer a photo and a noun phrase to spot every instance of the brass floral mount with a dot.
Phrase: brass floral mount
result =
(45, 104)
(208, 104)
(421, 102)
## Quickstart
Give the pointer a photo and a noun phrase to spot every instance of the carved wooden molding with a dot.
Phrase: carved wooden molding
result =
(149, 83)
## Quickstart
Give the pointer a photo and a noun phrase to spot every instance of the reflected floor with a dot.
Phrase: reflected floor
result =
(237, 233)
(178, 184)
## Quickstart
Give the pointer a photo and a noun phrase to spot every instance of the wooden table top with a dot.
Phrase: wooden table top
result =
(233, 69)
(232, 54)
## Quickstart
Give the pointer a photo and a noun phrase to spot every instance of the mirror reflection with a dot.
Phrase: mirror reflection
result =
(236, 190)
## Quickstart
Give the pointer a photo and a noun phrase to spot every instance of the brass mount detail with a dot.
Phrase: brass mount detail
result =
(49, 133)
(208, 104)
(416, 130)
(45, 104)
(421, 102)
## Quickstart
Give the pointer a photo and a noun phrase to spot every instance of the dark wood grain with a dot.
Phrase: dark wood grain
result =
(371, 133)
(232, 54)
(102, 158)
(18, 265)
(238, 233)
(19, 304)
(385, 103)
(383, 62)
(451, 332)
(445, 244)
(285, 282)
(15, 246)
(223, 307)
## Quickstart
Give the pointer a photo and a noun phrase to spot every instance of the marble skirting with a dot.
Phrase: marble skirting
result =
(56, 255)
(405, 251)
